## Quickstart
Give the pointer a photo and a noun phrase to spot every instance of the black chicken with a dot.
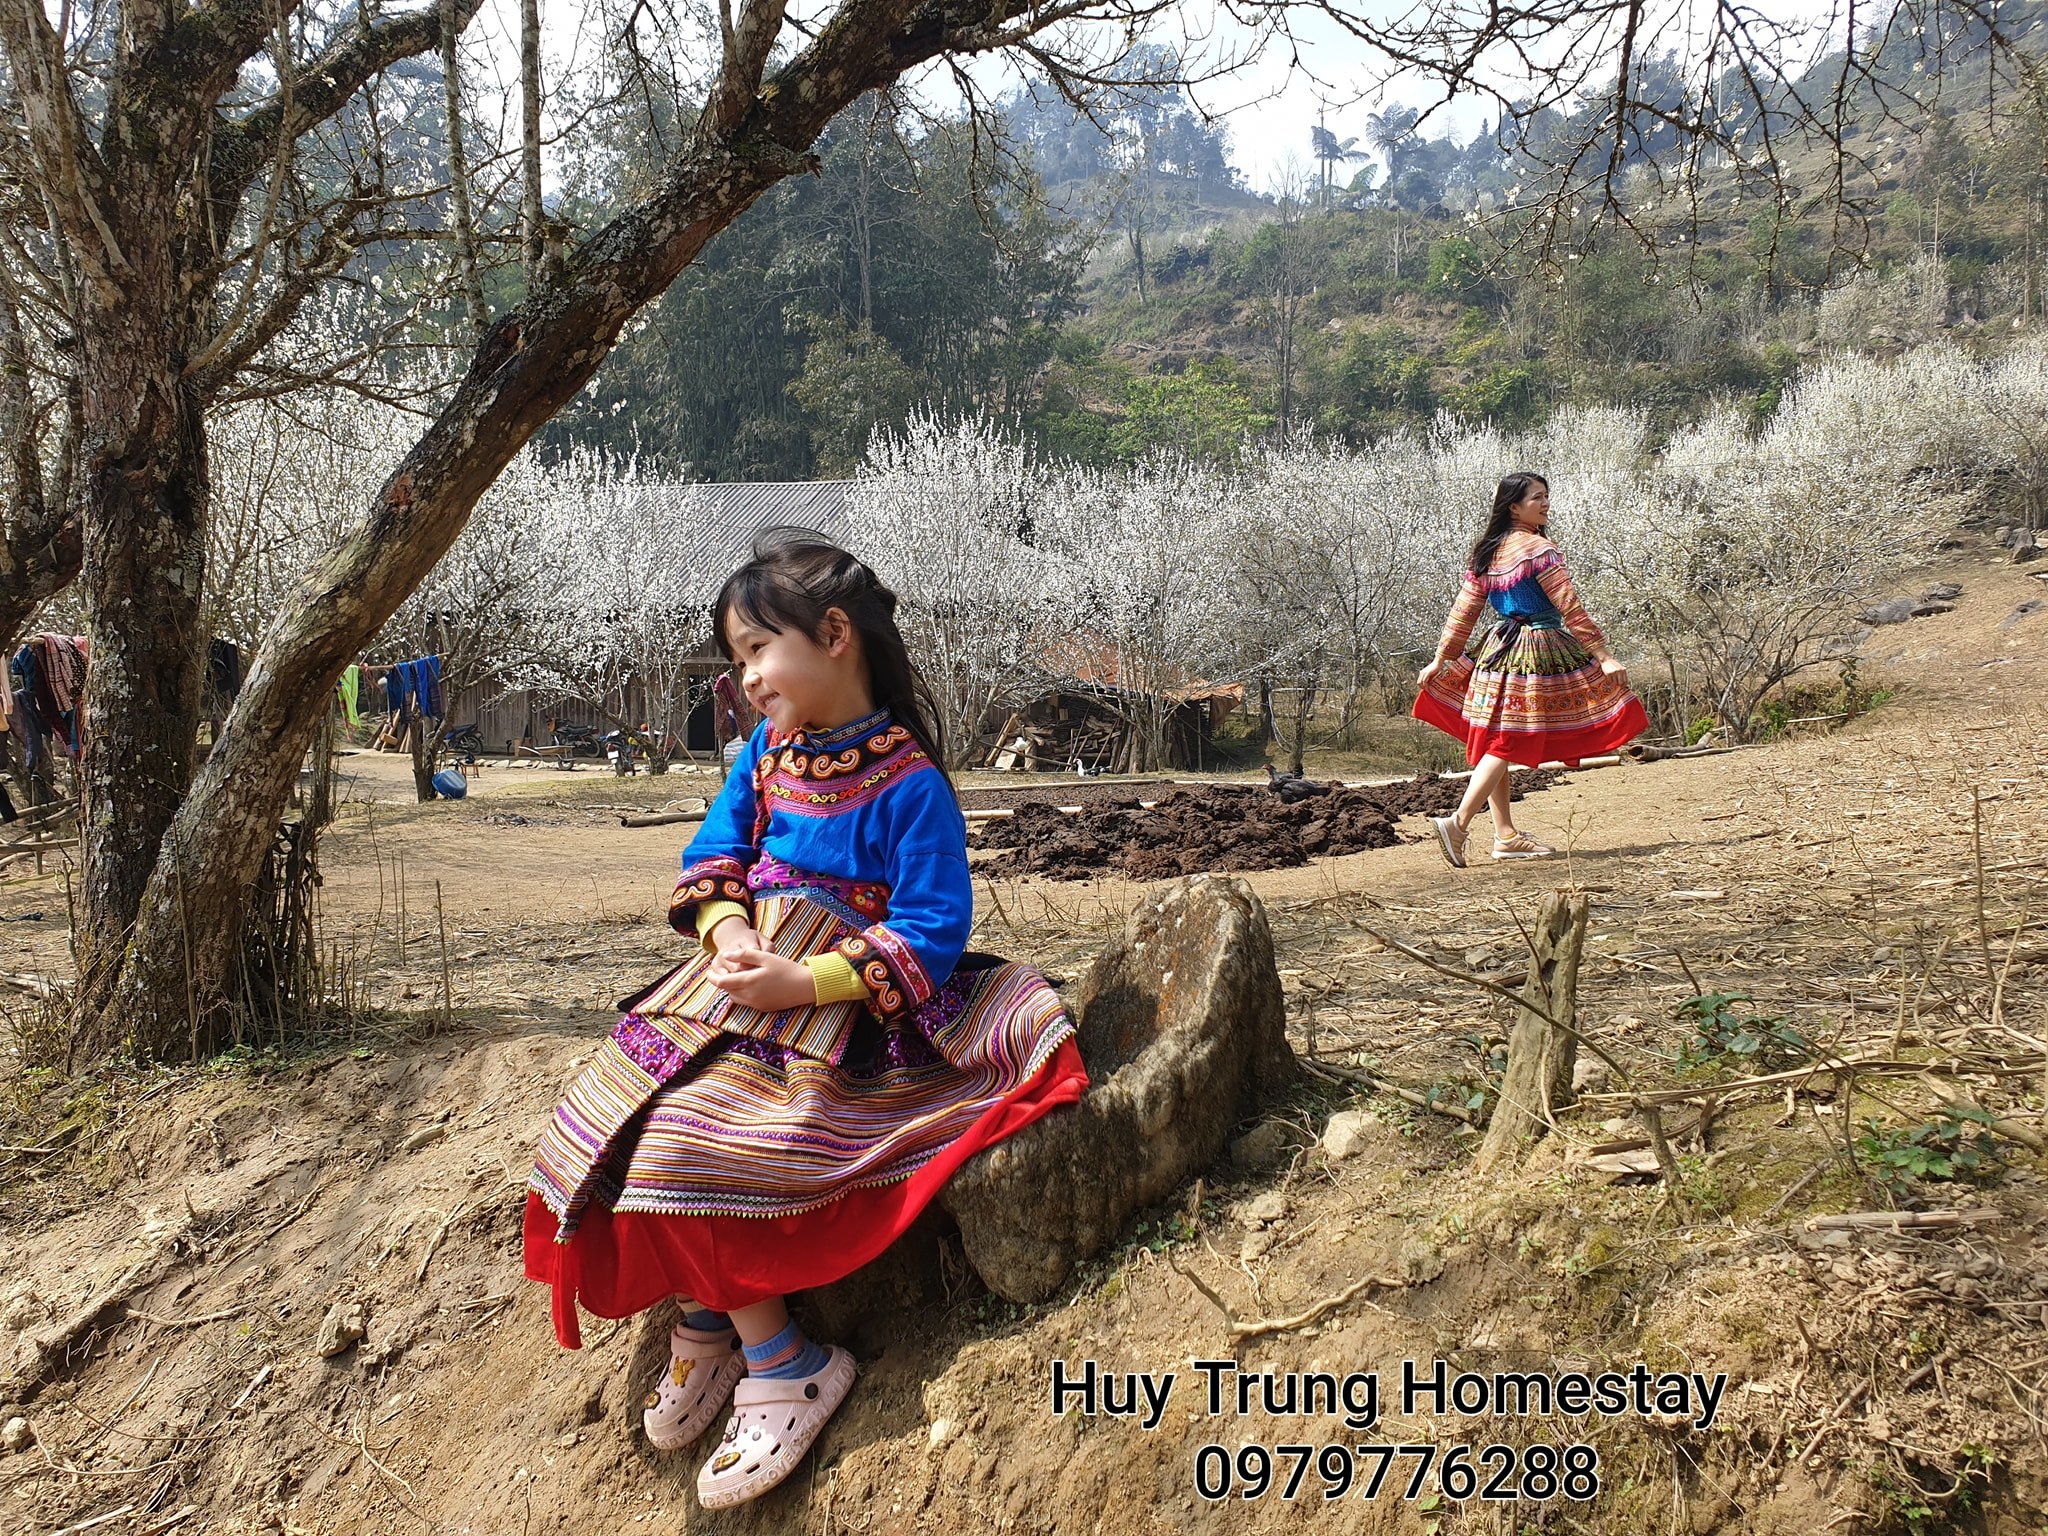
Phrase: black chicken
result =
(1292, 788)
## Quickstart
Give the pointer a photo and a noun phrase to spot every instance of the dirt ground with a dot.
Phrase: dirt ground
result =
(171, 1244)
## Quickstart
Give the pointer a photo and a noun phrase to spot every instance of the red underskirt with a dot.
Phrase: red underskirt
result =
(623, 1262)
(1529, 749)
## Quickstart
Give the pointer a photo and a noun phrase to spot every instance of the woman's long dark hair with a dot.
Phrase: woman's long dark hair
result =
(1512, 490)
(796, 577)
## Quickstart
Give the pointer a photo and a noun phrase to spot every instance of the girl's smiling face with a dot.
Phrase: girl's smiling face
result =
(1532, 513)
(797, 681)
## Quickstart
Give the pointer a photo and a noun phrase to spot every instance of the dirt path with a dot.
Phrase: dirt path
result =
(162, 1289)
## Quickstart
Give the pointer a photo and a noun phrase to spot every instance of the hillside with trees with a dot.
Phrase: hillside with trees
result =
(1107, 281)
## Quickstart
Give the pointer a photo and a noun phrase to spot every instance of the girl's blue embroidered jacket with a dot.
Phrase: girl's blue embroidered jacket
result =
(857, 817)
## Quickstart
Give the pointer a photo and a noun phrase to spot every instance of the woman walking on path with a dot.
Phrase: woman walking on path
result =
(776, 1111)
(1542, 686)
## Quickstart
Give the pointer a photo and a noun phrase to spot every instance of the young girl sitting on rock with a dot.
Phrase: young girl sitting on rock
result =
(771, 1115)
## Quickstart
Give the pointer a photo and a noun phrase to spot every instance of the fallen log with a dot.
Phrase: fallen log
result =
(1645, 752)
(661, 819)
(1905, 1221)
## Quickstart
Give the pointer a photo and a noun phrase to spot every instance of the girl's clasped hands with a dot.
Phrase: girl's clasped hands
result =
(748, 972)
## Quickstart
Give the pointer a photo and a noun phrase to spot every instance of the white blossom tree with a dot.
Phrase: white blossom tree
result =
(635, 604)
(1334, 555)
(1750, 557)
(1143, 577)
(949, 516)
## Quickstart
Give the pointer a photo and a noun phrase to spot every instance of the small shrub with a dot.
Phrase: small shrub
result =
(1768, 1041)
(1702, 1190)
(1957, 1143)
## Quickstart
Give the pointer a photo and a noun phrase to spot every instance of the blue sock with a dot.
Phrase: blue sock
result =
(705, 1322)
(787, 1356)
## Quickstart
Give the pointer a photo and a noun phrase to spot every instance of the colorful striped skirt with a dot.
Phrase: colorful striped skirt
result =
(1532, 694)
(686, 1160)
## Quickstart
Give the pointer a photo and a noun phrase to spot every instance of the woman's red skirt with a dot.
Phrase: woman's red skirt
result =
(1532, 695)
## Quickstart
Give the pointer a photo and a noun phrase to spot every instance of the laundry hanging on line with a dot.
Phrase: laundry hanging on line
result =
(223, 669)
(52, 669)
(348, 691)
(415, 686)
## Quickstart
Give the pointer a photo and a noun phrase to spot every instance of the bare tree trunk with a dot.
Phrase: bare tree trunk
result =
(526, 368)
(146, 493)
(530, 214)
(458, 170)
(420, 736)
(40, 555)
(1538, 1079)
(1304, 707)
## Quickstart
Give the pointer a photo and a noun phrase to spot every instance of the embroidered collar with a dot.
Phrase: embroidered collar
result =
(839, 735)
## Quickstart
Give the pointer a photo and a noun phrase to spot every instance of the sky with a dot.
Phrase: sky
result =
(1270, 104)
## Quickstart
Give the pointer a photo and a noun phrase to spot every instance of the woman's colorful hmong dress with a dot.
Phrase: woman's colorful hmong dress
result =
(1533, 692)
(730, 1156)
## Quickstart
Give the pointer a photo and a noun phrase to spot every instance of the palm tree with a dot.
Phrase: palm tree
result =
(1331, 153)
(1390, 132)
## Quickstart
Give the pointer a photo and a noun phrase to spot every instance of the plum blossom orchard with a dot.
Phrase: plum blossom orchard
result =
(1724, 562)
(949, 515)
(628, 604)
(570, 579)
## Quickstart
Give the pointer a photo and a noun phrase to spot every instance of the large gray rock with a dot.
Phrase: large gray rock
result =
(1897, 611)
(1183, 1030)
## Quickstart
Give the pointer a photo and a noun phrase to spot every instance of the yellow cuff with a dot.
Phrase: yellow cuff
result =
(711, 913)
(833, 975)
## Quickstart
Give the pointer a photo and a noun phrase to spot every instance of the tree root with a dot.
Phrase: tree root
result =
(1253, 1328)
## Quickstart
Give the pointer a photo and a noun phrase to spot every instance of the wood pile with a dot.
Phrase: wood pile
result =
(40, 830)
(1063, 733)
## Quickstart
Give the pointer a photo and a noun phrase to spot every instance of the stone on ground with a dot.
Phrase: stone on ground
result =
(1344, 1136)
(1183, 1030)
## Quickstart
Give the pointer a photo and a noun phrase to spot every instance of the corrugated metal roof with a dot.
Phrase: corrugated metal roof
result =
(718, 523)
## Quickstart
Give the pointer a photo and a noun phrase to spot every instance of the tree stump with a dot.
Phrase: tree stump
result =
(1538, 1079)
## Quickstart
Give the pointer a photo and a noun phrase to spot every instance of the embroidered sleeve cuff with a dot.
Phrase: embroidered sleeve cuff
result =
(715, 879)
(895, 979)
(834, 977)
(711, 913)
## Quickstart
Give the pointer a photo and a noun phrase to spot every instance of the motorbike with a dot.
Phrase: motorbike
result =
(581, 740)
(466, 742)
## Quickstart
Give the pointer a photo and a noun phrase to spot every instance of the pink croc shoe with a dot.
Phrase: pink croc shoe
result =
(702, 1370)
(773, 1423)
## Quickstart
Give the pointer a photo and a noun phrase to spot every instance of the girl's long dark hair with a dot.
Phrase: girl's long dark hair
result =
(1506, 496)
(796, 577)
